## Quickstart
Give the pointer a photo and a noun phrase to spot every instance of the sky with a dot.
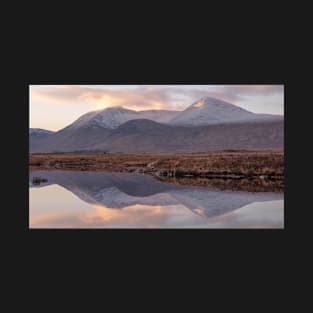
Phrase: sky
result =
(53, 107)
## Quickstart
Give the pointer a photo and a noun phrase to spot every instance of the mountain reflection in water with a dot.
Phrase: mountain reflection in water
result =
(135, 200)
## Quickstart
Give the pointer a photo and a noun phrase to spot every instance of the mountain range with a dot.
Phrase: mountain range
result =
(208, 124)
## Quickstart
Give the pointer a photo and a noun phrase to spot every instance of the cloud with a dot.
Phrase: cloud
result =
(56, 94)
(147, 97)
(231, 93)
(237, 92)
(141, 97)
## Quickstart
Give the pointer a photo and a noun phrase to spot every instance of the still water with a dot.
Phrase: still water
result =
(126, 200)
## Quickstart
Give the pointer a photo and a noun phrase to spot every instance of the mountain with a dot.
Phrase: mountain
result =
(140, 136)
(208, 124)
(37, 137)
(72, 139)
(92, 128)
(210, 111)
(39, 132)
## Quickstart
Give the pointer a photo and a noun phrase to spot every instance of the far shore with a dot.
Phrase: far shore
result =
(236, 170)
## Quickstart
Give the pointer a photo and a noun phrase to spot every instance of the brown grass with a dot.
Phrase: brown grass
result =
(247, 163)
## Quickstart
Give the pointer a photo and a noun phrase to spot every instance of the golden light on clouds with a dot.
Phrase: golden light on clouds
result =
(102, 102)
(146, 98)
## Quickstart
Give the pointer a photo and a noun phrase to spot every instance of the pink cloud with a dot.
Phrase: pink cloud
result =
(138, 99)
(147, 97)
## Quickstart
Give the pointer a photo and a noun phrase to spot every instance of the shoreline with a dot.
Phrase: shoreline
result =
(229, 164)
(255, 170)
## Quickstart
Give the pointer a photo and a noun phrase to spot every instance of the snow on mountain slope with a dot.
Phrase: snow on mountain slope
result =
(115, 116)
(107, 118)
(206, 111)
(209, 110)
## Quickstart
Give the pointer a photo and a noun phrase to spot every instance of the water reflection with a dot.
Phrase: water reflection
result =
(90, 199)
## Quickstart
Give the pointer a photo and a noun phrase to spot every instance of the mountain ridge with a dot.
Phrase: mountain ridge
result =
(207, 124)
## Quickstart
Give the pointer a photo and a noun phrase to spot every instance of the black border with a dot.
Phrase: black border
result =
(256, 43)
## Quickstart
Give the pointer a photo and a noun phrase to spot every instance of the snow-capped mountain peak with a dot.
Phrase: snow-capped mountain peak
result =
(210, 102)
(113, 117)
(210, 110)
(110, 117)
